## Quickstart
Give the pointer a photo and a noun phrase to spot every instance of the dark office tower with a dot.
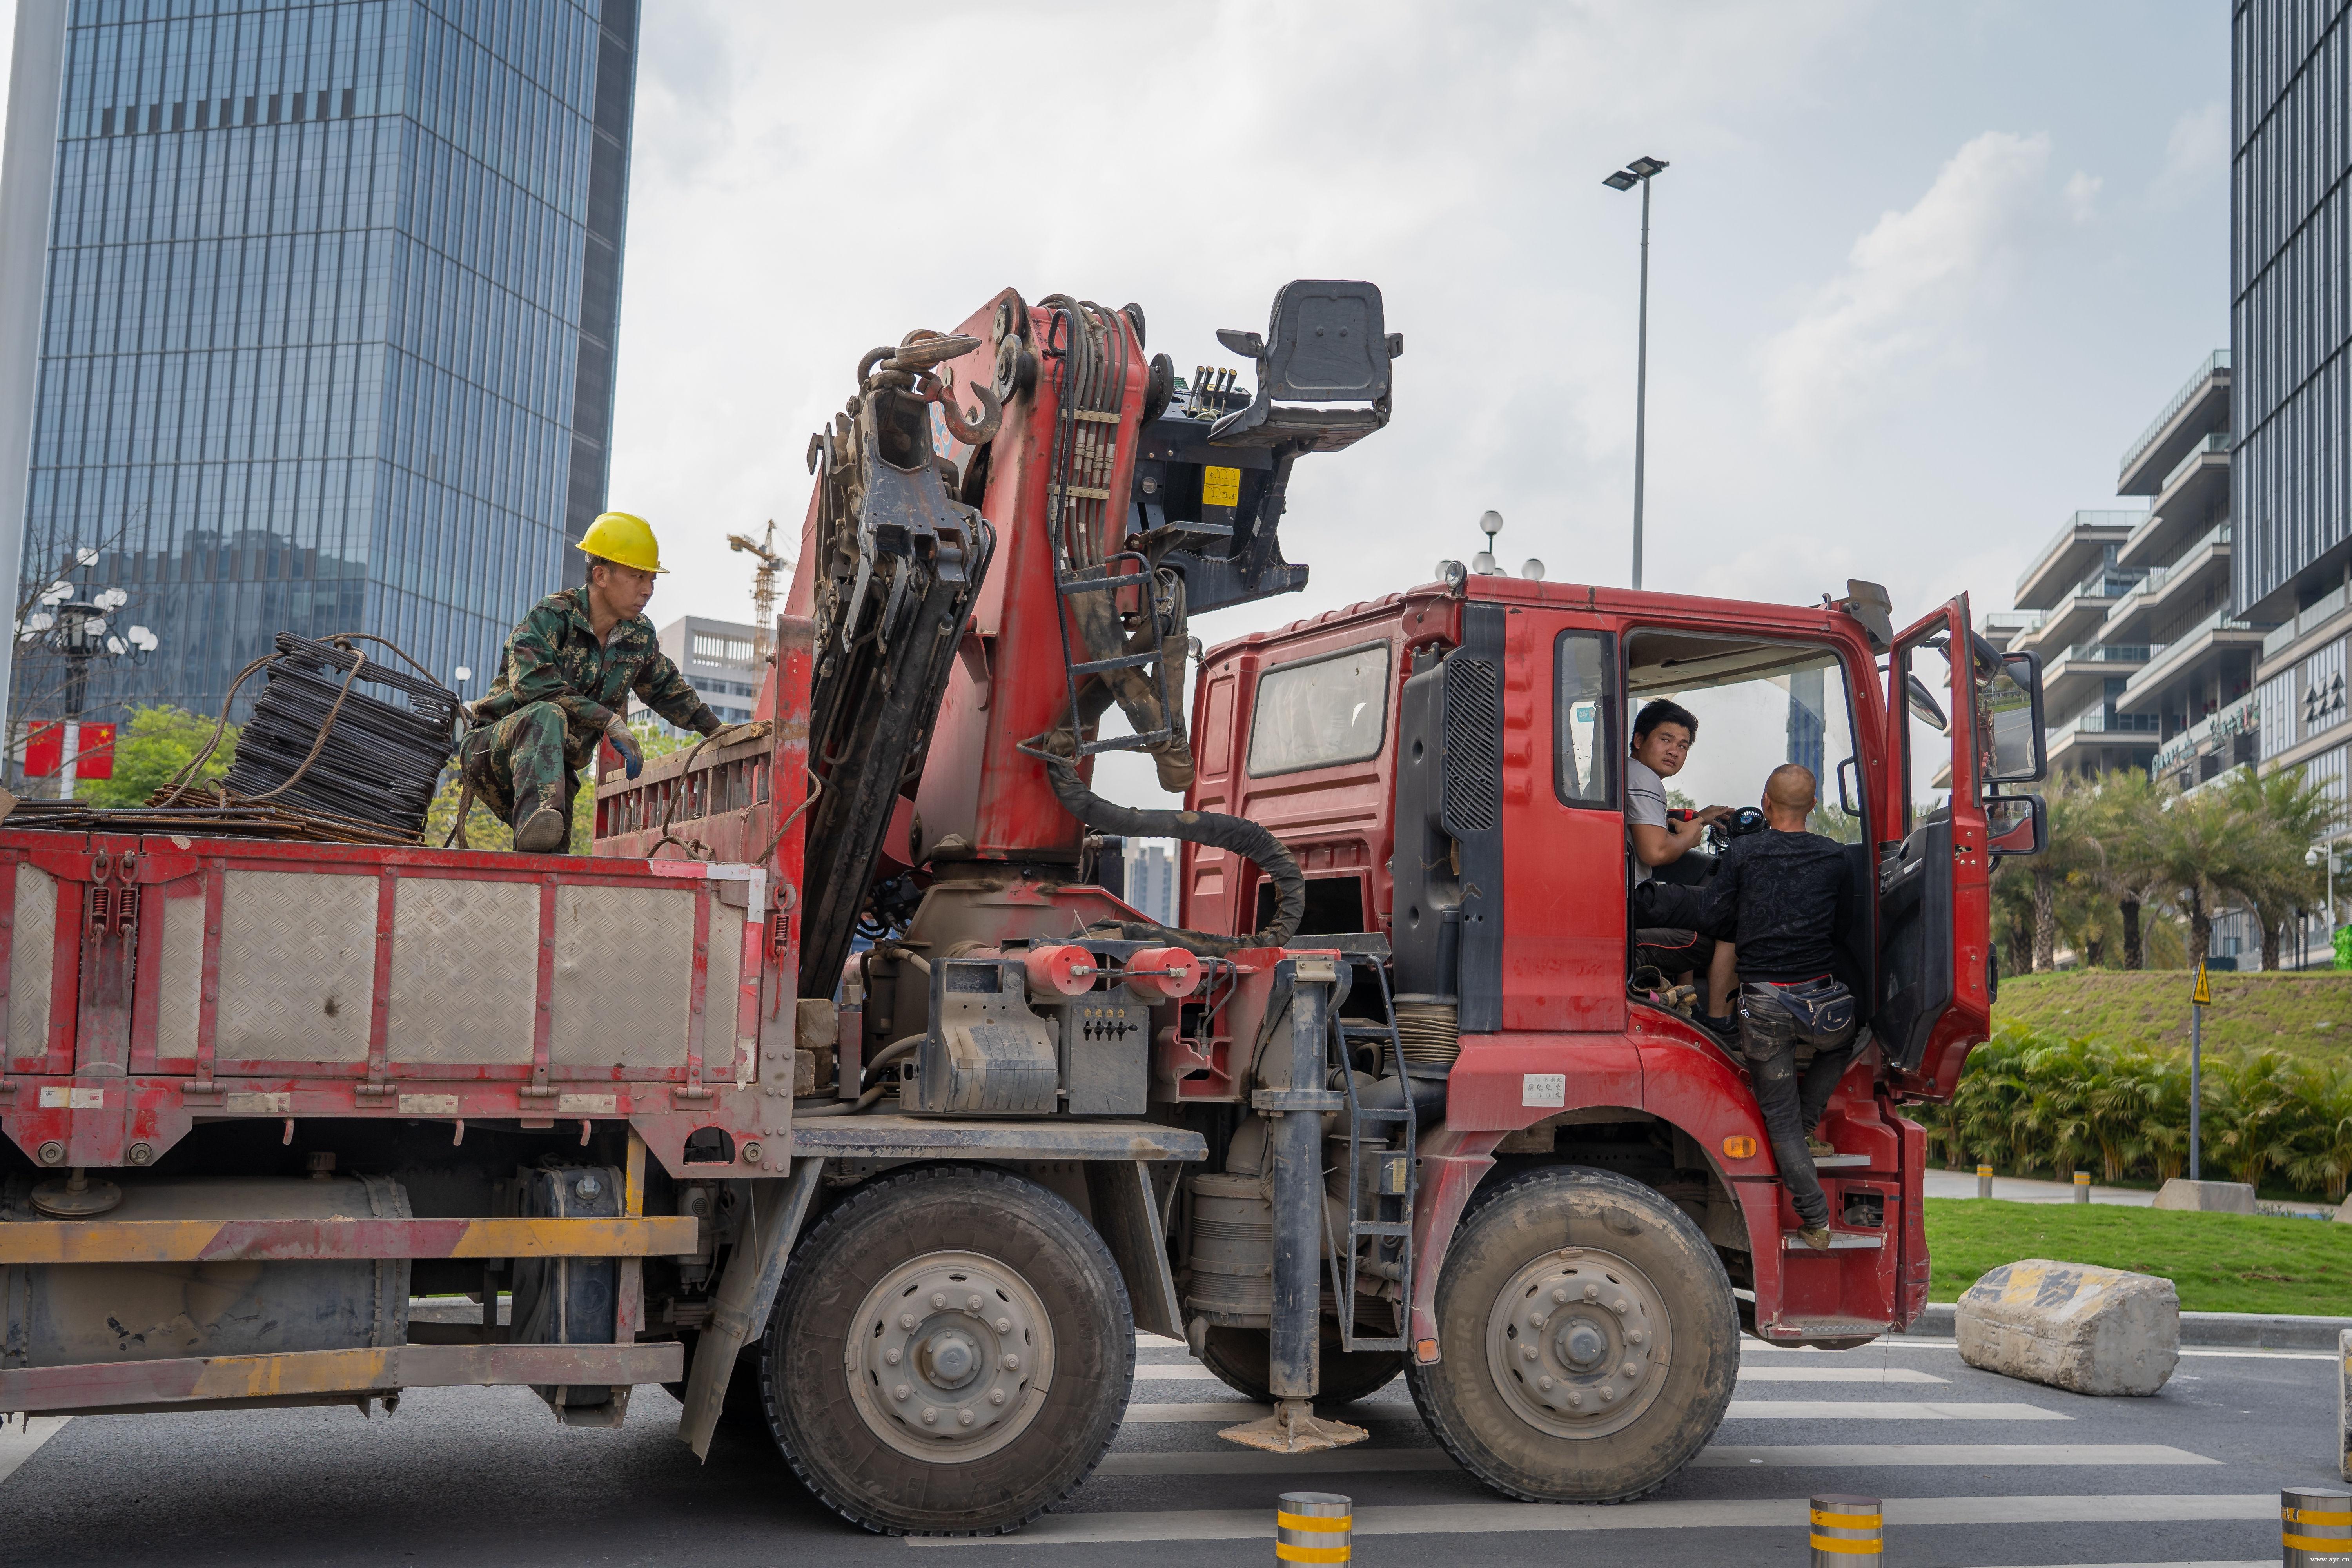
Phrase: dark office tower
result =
(2291, 301)
(328, 325)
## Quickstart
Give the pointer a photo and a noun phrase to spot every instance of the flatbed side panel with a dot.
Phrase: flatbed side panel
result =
(163, 979)
(297, 1374)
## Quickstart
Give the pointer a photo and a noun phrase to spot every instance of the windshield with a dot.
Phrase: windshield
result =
(1756, 708)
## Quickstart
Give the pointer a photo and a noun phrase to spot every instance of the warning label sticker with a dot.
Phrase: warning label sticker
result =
(1221, 487)
(1543, 1088)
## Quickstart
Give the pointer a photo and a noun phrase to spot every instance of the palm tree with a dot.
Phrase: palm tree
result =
(2127, 811)
(2071, 848)
(2282, 816)
(2198, 856)
(2322, 1160)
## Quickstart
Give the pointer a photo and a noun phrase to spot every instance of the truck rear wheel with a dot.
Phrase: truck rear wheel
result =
(1589, 1339)
(951, 1353)
(1237, 1358)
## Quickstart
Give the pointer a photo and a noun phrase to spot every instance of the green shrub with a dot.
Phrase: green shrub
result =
(2032, 1101)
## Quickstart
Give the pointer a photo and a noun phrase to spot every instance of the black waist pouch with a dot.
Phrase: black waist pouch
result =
(1824, 1010)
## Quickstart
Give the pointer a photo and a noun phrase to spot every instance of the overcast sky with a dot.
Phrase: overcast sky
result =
(1919, 272)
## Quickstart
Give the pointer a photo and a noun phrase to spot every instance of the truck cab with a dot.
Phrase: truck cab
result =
(1447, 766)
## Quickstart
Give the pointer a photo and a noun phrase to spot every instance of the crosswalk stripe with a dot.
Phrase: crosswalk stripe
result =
(1496, 1518)
(1188, 1370)
(1882, 1410)
(1751, 1372)
(1231, 1410)
(1363, 1460)
(1197, 1410)
(20, 1440)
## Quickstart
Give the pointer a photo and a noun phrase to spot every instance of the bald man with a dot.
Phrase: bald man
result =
(1786, 897)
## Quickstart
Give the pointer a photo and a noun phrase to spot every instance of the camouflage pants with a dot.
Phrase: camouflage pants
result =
(517, 765)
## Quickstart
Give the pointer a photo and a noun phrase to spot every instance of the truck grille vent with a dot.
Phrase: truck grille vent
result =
(1474, 775)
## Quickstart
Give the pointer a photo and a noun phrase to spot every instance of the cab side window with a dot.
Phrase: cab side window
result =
(1584, 672)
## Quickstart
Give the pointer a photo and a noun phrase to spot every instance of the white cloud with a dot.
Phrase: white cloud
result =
(2195, 154)
(1910, 286)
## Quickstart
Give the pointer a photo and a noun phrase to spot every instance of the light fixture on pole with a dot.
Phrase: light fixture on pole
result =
(1640, 172)
(1490, 523)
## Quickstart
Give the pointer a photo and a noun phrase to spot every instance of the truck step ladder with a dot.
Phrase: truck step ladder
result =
(1391, 1135)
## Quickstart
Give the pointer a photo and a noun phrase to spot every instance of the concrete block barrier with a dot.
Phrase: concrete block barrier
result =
(2086, 1330)
(2205, 1197)
(2344, 1404)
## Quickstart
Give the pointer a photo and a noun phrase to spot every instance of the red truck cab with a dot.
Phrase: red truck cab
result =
(1447, 766)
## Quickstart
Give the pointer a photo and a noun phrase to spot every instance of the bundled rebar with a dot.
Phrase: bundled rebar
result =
(323, 742)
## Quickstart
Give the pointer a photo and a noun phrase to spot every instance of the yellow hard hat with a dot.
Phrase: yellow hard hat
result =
(624, 539)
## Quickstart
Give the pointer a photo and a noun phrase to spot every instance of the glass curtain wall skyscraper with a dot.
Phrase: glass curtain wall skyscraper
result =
(328, 324)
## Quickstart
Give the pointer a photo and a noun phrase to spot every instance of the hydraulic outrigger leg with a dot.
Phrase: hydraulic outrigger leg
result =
(1293, 1098)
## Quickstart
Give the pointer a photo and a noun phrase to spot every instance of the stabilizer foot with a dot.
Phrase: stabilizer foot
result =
(1294, 1428)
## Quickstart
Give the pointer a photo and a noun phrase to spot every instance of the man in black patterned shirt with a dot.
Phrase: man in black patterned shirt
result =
(1786, 897)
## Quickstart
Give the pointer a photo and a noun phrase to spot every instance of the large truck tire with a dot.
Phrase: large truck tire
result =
(1589, 1340)
(1237, 1358)
(951, 1354)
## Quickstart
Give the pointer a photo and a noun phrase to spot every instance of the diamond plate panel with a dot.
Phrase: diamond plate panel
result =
(465, 971)
(297, 967)
(180, 990)
(623, 961)
(32, 952)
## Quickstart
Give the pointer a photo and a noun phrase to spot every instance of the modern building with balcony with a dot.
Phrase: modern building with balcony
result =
(2129, 610)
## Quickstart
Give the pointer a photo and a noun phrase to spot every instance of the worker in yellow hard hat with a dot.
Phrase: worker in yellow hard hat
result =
(563, 682)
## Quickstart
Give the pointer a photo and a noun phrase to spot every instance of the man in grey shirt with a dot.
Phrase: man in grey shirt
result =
(1663, 734)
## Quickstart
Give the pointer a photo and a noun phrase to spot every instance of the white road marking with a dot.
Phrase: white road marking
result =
(1232, 1410)
(1778, 1372)
(1882, 1410)
(1794, 1456)
(1783, 1514)
(1742, 1410)
(1157, 1341)
(1840, 1454)
(2232, 1562)
(20, 1439)
(1192, 1371)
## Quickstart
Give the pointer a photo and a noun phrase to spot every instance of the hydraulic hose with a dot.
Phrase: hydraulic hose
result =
(1215, 829)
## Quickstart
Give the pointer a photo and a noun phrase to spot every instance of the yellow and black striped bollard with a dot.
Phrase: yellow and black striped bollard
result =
(1314, 1527)
(1984, 1181)
(2082, 1187)
(1848, 1532)
(2314, 1527)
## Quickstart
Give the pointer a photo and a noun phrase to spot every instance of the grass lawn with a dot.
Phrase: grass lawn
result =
(2305, 1014)
(2219, 1263)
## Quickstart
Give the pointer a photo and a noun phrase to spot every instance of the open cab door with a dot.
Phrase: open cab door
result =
(1949, 694)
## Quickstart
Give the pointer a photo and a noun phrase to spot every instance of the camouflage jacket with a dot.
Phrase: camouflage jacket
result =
(553, 656)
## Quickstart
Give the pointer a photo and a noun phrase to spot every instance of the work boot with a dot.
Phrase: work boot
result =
(541, 832)
(1817, 1147)
(1816, 1237)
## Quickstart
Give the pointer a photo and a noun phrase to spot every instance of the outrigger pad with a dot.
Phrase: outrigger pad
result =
(1294, 1428)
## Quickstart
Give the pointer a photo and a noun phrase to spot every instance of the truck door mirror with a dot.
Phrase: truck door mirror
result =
(1850, 768)
(2016, 825)
(2009, 715)
(1923, 706)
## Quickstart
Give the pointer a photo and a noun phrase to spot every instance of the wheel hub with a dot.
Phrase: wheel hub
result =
(950, 1356)
(1578, 1342)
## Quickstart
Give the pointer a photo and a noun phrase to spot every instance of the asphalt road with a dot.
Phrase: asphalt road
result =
(1976, 1472)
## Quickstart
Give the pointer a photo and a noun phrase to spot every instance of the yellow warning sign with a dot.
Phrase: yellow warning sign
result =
(2203, 996)
(1221, 487)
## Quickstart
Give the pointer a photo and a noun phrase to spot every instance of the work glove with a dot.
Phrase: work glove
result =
(616, 730)
(748, 730)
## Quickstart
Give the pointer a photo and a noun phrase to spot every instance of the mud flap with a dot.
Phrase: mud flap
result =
(746, 1292)
(1120, 1192)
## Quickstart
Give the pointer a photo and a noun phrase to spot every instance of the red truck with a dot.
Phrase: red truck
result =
(837, 1091)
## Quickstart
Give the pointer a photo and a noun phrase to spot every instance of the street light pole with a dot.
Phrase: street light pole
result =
(1639, 171)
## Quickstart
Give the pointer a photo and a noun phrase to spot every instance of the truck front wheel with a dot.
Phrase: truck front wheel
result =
(951, 1353)
(1589, 1340)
